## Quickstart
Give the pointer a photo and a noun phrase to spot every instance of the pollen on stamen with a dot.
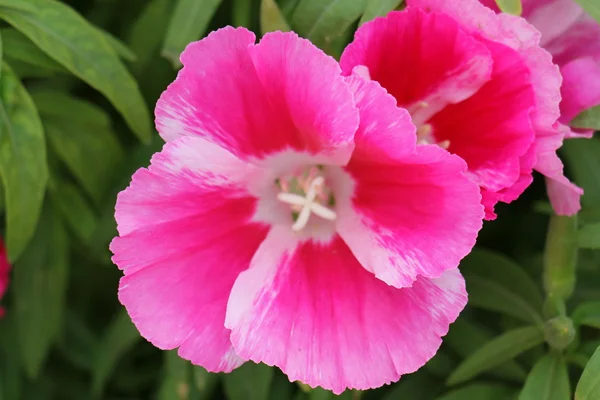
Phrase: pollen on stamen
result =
(306, 194)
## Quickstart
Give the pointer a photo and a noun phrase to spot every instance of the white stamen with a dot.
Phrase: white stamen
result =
(308, 204)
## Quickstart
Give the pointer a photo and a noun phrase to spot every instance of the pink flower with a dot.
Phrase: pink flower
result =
(475, 83)
(291, 220)
(4, 273)
(573, 39)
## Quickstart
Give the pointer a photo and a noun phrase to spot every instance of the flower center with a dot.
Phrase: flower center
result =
(307, 194)
(420, 115)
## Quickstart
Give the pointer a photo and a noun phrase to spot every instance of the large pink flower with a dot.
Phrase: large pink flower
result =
(291, 220)
(4, 273)
(475, 83)
(573, 39)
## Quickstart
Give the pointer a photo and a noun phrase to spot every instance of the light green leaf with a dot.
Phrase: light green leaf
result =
(560, 257)
(80, 134)
(587, 314)
(271, 17)
(120, 336)
(323, 21)
(487, 391)
(118, 46)
(589, 236)
(510, 6)
(74, 208)
(248, 382)
(592, 7)
(548, 380)
(17, 5)
(69, 39)
(496, 283)
(22, 162)
(495, 352)
(464, 338)
(16, 46)
(40, 283)
(188, 23)
(588, 387)
(378, 8)
(588, 119)
(582, 157)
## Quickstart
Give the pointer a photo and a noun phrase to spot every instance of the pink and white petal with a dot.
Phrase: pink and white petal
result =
(312, 310)
(581, 40)
(386, 131)
(580, 89)
(415, 217)
(444, 66)
(492, 129)
(565, 197)
(186, 232)
(254, 100)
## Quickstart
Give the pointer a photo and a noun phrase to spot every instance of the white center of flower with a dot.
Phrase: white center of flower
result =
(420, 116)
(306, 195)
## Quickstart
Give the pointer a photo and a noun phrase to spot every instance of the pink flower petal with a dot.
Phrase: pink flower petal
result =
(410, 214)
(5, 268)
(564, 196)
(581, 87)
(424, 60)
(178, 222)
(254, 100)
(312, 310)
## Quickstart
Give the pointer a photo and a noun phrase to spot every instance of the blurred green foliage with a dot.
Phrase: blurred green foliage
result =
(77, 84)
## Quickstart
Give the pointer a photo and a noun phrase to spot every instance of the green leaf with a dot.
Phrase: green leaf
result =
(548, 380)
(80, 134)
(588, 119)
(323, 21)
(588, 387)
(16, 46)
(205, 383)
(587, 314)
(40, 283)
(495, 352)
(592, 7)
(118, 46)
(510, 6)
(176, 383)
(17, 5)
(496, 283)
(487, 391)
(271, 17)
(415, 386)
(69, 39)
(560, 257)
(74, 208)
(582, 158)
(589, 236)
(120, 336)
(188, 23)
(11, 381)
(378, 8)
(465, 337)
(241, 11)
(248, 382)
(22, 162)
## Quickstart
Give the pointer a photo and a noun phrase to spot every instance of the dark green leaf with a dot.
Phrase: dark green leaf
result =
(188, 23)
(204, 383)
(119, 47)
(582, 157)
(465, 338)
(510, 6)
(378, 8)
(323, 21)
(22, 162)
(71, 41)
(589, 236)
(74, 208)
(120, 336)
(11, 381)
(548, 380)
(487, 391)
(248, 382)
(271, 18)
(592, 7)
(502, 348)
(560, 257)
(587, 314)
(16, 46)
(177, 379)
(588, 387)
(242, 13)
(416, 386)
(496, 283)
(40, 279)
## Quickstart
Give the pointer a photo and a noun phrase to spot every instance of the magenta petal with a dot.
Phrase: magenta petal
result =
(424, 60)
(178, 221)
(314, 312)
(581, 87)
(254, 100)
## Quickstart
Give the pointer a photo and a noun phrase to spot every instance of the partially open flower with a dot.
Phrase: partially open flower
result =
(291, 219)
(475, 83)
